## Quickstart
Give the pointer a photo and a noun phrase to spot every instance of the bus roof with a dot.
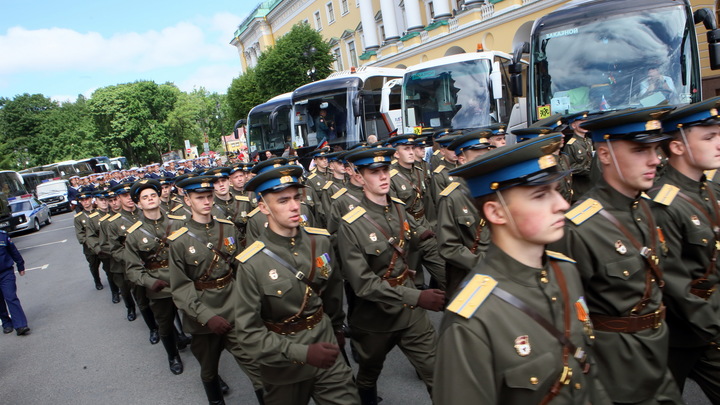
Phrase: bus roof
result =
(271, 104)
(461, 57)
(344, 80)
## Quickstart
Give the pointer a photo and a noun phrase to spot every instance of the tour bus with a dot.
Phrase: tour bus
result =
(98, 164)
(11, 187)
(269, 125)
(606, 55)
(32, 179)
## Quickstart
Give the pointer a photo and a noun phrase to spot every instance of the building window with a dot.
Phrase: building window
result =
(306, 21)
(338, 60)
(330, 12)
(357, 3)
(431, 10)
(318, 21)
(352, 54)
(344, 7)
(382, 32)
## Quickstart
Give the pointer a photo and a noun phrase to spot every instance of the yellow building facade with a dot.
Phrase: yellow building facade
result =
(402, 33)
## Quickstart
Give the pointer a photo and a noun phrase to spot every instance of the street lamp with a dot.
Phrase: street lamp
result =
(311, 73)
(308, 54)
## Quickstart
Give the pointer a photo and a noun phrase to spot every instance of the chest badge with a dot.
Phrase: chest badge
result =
(191, 249)
(620, 248)
(465, 210)
(522, 345)
(450, 178)
(121, 227)
(403, 187)
(373, 237)
(695, 220)
(273, 274)
(144, 240)
(351, 207)
(229, 244)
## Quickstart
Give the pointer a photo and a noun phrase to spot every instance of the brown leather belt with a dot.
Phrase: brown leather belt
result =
(218, 283)
(157, 265)
(703, 293)
(399, 280)
(297, 325)
(628, 324)
(417, 215)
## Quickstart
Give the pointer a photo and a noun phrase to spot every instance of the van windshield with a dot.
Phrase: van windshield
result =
(51, 188)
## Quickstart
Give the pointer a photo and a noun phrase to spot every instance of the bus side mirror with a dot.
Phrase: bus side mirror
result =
(238, 124)
(516, 68)
(706, 16)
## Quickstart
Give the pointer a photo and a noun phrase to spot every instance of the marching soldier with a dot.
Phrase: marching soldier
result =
(613, 235)
(92, 239)
(318, 178)
(82, 218)
(579, 150)
(440, 177)
(687, 211)
(146, 258)
(389, 310)
(497, 138)
(166, 185)
(201, 283)
(518, 332)
(335, 182)
(563, 162)
(116, 269)
(292, 333)
(224, 201)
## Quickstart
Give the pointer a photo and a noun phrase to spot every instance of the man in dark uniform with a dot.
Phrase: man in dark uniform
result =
(612, 234)
(318, 178)
(117, 272)
(336, 181)
(9, 256)
(517, 332)
(201, 283)
(292, 332)
(92, 239)
(224, 201)
(389, 310)
(243, 201)
(579, 150)
(687, 211)
(82, 218)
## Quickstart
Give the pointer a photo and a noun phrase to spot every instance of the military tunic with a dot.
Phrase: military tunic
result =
(92, 239)
(616, 277)
(498, 354)
(268, 293)
(579, 150)
(257, 222)
(224, 209)
(330, 189)
(80, 222)
(317, 180)
(117, 270)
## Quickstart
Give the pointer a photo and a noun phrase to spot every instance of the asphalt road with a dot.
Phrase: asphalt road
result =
(82, 350)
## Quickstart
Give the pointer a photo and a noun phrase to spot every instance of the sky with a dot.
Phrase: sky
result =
(64, 48)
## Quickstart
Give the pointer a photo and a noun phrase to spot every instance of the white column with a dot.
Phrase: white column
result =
(412, 13)
(367, 16)
(442, 9)
(389, 20)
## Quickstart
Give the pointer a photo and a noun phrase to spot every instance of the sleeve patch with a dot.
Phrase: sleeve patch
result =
(353, 215)
(177, 233)
(316, 231)
(666, 195)
(559, 256)
(472, 296)
(583, 211)
(449, 189)
(250, 251)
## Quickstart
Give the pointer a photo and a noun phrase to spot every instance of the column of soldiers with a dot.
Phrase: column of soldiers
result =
(259, 259)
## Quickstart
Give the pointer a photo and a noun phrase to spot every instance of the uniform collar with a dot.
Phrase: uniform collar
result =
(519, 273)
(680, 180)
(371, 206)
(614, 198)
(198, 226)
(283, 241)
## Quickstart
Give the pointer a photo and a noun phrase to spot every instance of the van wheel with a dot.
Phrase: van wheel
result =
(49, 220)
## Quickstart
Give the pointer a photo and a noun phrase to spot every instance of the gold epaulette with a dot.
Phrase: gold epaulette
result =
(339, 193)
(105, 217)
(327, 185)
(114, 217)
(224, 221)
(316, 231)
(469, 299)
(175, 208)
(177, 233)
(135, 226)
(177, 217)
(353, 215)
(439, 169)
(436, 152)
(93, 215)
(571, 141)
(78, 214)
(312, 176)
(250, 251)
(393, 172)
(253, 212)
(666, 195)
(242, 198)
(559, 256)
(583, 211)
(710, 174)
(449, 189)
(645, 196)
(397, 200)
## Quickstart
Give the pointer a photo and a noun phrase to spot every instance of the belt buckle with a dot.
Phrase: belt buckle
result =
(566, 375)
(657, 319)
(299, 275)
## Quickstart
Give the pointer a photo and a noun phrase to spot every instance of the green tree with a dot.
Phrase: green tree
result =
(244, 94)
(70, 134)
(21, 136)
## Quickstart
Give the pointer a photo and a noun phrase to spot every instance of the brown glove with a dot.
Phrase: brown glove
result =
(218, 325)
(159, 285)
(322, 355)
(432, 300)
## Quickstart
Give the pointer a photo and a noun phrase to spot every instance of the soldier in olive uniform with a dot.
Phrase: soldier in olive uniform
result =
(612, 234)
(389, 310)
(318, 178)
(518, 332)
(289, 301)
(118, 226)
(82, 218)
(146, 259)
(336, 181)
(687, 211)
(92, 239)
(440, 177)
(244, 201)
(497, 138)
(166, 202)
(462, 234)
(117, 271)
(532, 132)
(224, 201)
(201, 283)
(579, 150)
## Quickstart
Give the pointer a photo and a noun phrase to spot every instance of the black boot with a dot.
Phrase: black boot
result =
(259, 394)
(223, 386)
(213, 392)
(131, 316)
(181, 338)
(176, 365)
(368, 396)
(149, 319)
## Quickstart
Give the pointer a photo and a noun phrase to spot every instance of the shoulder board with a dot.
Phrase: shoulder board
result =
(393, 172)
(135, 226)
(436, 152)
(666, 195)
(339, 193)
(114, 217)
(242, 198)
(449, 189)
(250, 251)
(645, 196)
(316, 231)
(397, 200)
(559, 256)
(177, 233)
(93, 215)
(177, 217)
(439, 169)
(472, 296)
(583, 211)
(78, 214)
(353, 215)
(571, 141)
(224, 221)
(710, 174)
(253, 212)
(105, 217)
(312, 176)
(327, 185)
(175, 208)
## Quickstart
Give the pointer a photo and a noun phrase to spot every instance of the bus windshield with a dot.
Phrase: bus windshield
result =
(324, 117)
(269, 128)
(454, 96)
(637, 58)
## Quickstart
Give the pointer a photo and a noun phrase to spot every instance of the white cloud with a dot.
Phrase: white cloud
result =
(214, 78)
